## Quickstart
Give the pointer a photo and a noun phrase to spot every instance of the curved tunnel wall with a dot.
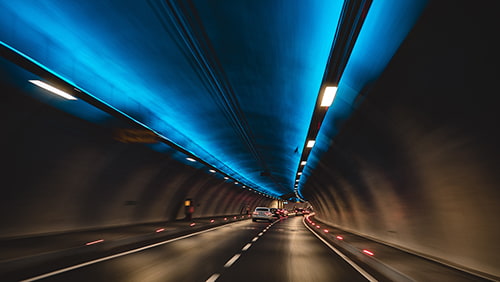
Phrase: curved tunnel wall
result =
(417, 166)
(63, 174)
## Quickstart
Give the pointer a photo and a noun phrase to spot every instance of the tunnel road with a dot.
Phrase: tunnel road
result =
(242, 251)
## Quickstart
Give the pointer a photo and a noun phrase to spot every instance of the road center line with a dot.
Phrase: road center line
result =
(247, 246)
(232, 260)
(213, 277)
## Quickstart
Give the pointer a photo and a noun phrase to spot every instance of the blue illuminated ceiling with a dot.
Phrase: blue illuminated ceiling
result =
(234, 83)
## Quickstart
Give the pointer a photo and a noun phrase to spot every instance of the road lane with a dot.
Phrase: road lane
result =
(289, 252)
(194, 258)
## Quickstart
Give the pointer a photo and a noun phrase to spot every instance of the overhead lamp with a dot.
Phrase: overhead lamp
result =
(212, 170)
(191, 159)
(297, 180)
(328, 96)
(225, 177)
(310, 143)
(303, 163)
(52, 89)
(299, 173)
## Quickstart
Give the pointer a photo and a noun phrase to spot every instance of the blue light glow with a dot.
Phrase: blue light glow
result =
(139, 65)
(385, 27)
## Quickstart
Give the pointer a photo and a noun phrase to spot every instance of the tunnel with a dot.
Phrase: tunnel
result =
(180, 118)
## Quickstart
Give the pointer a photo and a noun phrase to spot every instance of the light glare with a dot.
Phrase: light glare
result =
(52, 89)
(328, 96)
(310, 143)
(370, 253)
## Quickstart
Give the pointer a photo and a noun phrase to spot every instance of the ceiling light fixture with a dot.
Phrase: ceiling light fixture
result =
(303, 163)
(52, 89)
(328, 96)
(310, 143)
(191, 159)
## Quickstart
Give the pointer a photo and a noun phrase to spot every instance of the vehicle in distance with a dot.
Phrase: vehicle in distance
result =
(263, 213)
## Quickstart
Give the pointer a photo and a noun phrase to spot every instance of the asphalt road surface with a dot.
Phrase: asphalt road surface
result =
(242, 251)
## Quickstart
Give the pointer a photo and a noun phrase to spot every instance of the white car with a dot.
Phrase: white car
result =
(263, 213)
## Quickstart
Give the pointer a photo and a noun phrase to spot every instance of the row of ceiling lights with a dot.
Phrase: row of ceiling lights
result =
(350, 22)
(68, 96)
(329, 94)
(236, 182)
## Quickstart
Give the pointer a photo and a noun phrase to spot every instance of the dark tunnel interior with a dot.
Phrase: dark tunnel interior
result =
(413, 161)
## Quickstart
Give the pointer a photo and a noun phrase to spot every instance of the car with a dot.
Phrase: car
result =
(263, 213)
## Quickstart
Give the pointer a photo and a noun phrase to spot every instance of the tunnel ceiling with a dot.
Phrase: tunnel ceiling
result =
(235, 85)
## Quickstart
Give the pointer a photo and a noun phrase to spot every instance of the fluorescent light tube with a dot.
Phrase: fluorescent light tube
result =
(52, 89)
(310, 143)
(328, 96)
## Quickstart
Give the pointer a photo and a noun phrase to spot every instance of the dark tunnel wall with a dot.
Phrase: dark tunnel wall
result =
(63, 174)
(417, 166)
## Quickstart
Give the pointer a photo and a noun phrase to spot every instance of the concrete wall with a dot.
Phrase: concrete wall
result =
(418, 164)
(62, 174)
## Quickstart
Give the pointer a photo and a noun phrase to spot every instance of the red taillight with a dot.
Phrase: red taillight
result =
(368, 252)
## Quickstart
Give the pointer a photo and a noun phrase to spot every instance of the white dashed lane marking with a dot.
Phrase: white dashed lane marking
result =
(213, 277)
(232, 260)
(247, 246)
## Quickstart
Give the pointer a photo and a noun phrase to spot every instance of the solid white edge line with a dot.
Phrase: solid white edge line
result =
(122, 254)
(344, 257)
(213, 277)
(232, 260)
